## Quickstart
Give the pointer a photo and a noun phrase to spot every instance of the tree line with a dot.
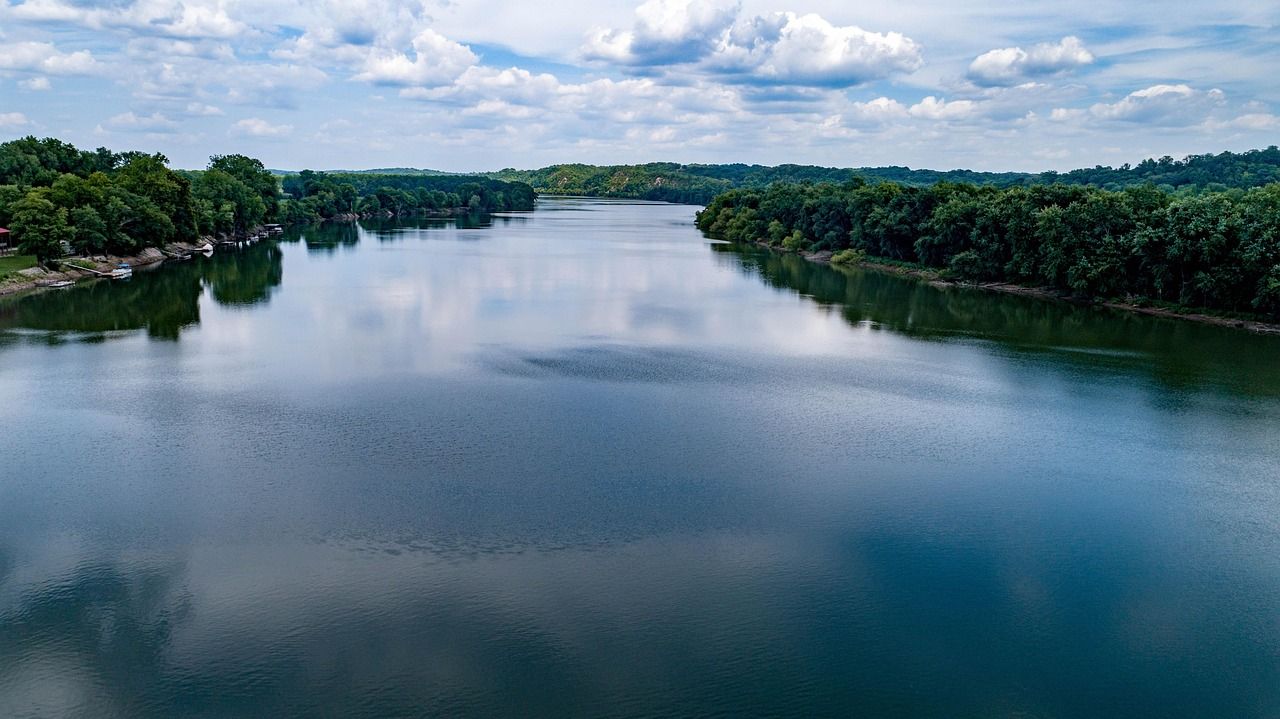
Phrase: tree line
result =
(698, 184)
(1216, 250)
(314, 196)
(54, 196)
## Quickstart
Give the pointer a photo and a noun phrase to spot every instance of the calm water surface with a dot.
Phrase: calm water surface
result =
(585, 462)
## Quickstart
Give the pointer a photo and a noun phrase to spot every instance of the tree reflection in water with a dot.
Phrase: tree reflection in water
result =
(1176, 353)
(161, 301)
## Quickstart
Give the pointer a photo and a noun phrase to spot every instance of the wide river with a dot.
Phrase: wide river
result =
(587, 462)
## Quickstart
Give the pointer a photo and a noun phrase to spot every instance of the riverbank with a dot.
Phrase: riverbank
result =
(938, 279)
(81, 269)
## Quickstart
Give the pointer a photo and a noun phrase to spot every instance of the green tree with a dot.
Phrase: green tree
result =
(40, 227)
(254, 175)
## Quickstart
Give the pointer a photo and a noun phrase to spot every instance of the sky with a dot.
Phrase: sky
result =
(481, 85)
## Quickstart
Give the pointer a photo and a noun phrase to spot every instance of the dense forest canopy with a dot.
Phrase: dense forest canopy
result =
(319, 195)
(697, 184)
(54, 196)
(1218, 250)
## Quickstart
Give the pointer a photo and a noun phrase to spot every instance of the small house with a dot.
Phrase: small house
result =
(5, 240)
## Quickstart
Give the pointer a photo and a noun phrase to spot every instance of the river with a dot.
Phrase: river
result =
(587, 462)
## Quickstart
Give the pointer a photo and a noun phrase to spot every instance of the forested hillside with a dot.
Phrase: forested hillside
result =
(697, 184)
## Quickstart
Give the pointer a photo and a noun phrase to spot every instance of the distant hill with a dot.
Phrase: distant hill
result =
(395, 171)
(697, 184)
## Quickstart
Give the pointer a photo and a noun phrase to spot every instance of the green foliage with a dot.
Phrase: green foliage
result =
(225, 204)
(848, 256)
(170, 193)
(104, 202)
(9, 194)
(1214, 250)
(40, 226)
(317, 195)
(253, 175)
(698, 184)
(30, 162)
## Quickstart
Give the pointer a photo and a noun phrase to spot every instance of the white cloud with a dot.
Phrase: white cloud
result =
(257, 127)
(1249, 122)
(702, 80)
(782, 48)
(45, 58)
(436, 61)
(932, 108)
(199, 109)
(1065, 114)
(269, 85)
(132, 122)
(666, 32)
(878, 111)
(1013, 65)
(167, 18)
(169, 49)
(791, 49)
(1161, 105)
(10, 120)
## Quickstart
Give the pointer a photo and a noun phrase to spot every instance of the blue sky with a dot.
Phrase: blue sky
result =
(477, 85)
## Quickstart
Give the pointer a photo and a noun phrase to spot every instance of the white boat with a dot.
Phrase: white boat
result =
(122, 271)
(60, 284)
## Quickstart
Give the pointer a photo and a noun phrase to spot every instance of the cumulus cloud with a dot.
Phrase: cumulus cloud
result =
(436, 61)
(666, 32)
(1066, 114)
(539, 104)
(1161, 105)
(257, 127)
(791, 49)
(45, 58)
(132, 122)
(687, 74)
(1254, 121)
(933, 108)
(782, 48)
(1014, 65)
(166, 18)
(11, 120)
(146, 48)
(875, 112)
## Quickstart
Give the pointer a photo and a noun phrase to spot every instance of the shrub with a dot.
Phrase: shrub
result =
(848, 257)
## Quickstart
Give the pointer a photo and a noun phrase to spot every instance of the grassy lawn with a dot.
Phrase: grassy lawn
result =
(10, 265)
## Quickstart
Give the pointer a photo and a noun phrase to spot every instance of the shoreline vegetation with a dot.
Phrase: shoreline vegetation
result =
(87, 211)
(699, 184)
(1213, 256)
(1203, 245)
(941, 279)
